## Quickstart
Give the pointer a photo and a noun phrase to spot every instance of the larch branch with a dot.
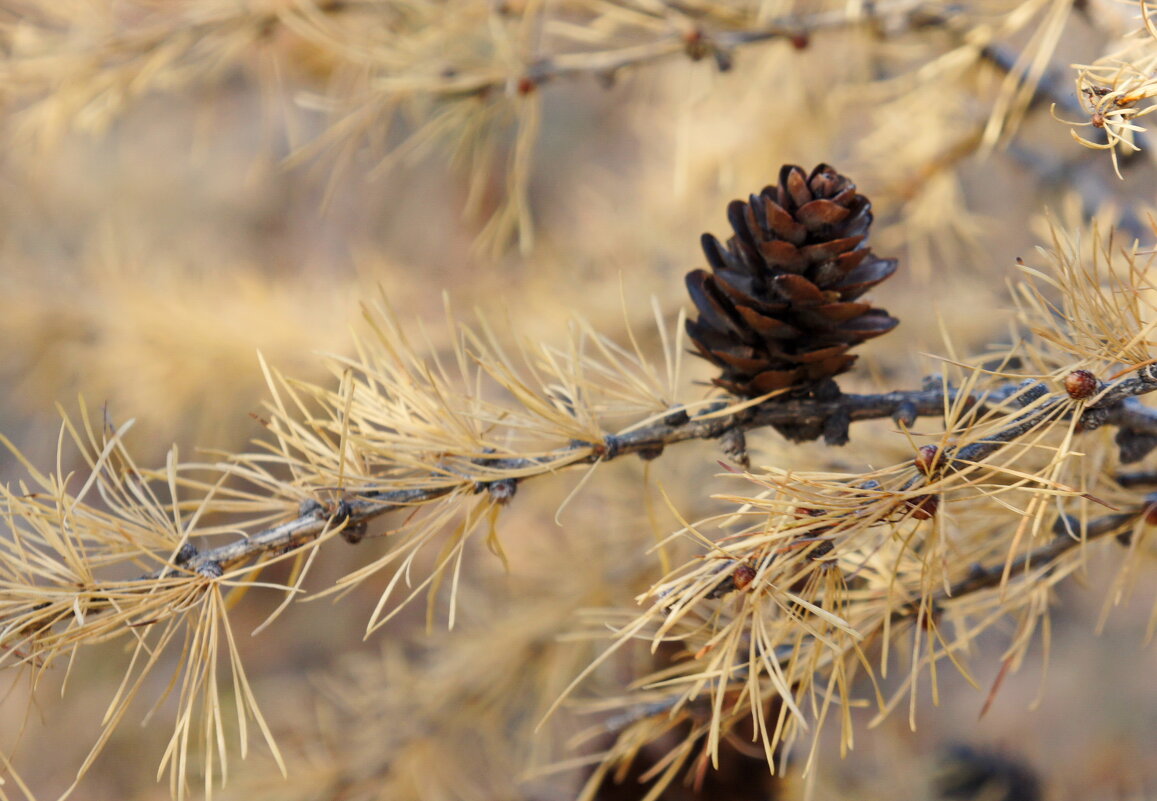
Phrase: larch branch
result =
(357, 509)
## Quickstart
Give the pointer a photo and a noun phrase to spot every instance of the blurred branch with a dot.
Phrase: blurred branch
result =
(1137, 478)
(1086, 177)
(1053, 86)
(698, 41)
(1068, 533)
(701, 36)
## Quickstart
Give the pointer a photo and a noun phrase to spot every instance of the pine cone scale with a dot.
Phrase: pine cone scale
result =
(819, 215)
(782, 224)
(841, 312)
(768, 327)
(821, 356)
(740, 362)
(767, 381)
(795, 186)
(785, 254)
(798, 290)
(825, 251)
(869, 325)
(715, 314)
(747, 297)
(864, 277)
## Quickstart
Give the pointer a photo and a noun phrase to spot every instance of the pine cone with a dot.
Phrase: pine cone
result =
(780, 307)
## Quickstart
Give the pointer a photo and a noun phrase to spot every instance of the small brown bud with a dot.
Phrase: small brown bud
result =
(526, 85)
(650, 453)
(926, 458)
(354, 533)
(923, 507)
(1081, 384)
(800, 41)
(742, 576)
(1151, 514)
(695, 44)
(929, 620)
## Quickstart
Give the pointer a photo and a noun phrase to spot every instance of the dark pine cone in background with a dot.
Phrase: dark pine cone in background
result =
(780, 307)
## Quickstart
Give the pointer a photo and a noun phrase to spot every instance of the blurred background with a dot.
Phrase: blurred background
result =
(186, 185)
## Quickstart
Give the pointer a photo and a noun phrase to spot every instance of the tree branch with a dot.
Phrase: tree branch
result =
(1065, 538)
(357, 509)
(979, 578)
(697, 42)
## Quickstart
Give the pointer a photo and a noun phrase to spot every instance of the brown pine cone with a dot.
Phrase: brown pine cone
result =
(780, 307)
